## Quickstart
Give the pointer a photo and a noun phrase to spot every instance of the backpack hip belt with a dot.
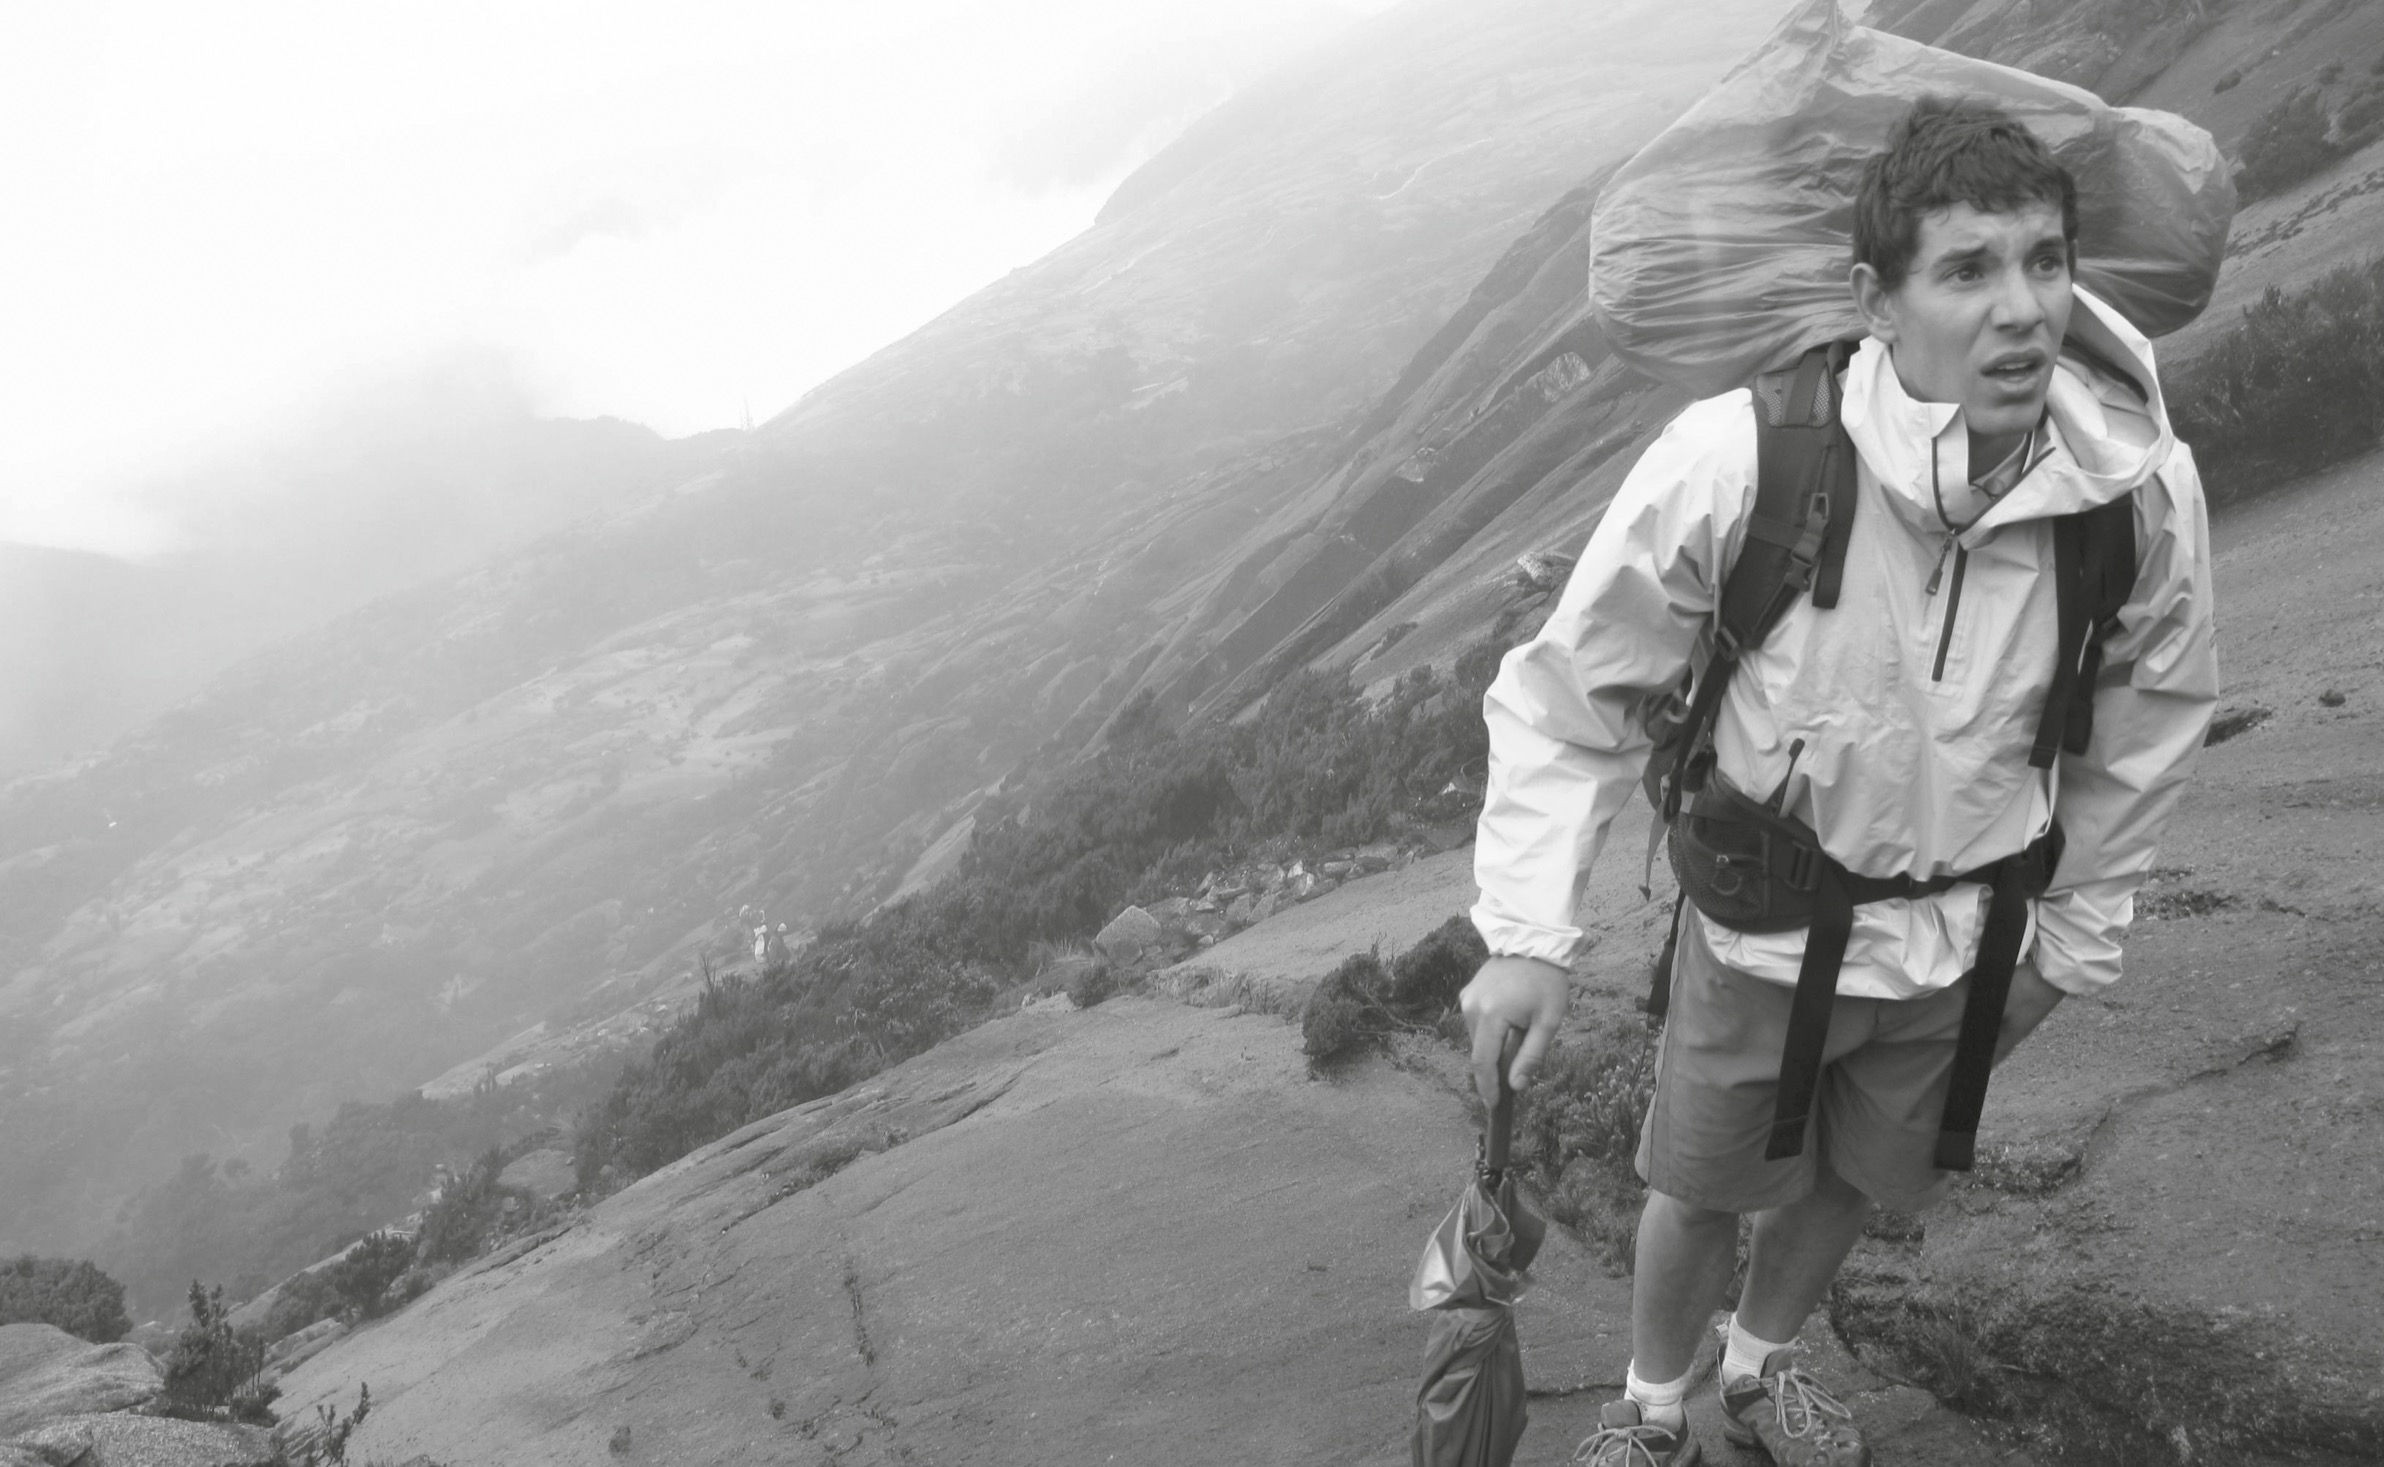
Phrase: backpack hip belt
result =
(1749, 868)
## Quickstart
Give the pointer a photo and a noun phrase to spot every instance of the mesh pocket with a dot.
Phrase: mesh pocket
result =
(1742, 865)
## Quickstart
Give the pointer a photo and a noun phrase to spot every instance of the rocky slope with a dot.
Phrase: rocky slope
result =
(1142, 1233)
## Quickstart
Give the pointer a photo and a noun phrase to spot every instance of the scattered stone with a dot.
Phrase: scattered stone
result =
(2235, 721)
(46, 1373)
(117, 1440)
(1129, 935)
(1171, 911)
(1337, 870)
(1243, 912)
(1206, 927)
(2333, 698)
(1439, 838)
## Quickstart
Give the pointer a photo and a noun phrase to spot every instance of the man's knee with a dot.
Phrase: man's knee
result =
(1685, 1218)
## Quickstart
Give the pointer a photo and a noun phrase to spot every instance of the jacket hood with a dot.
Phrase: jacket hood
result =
(2105, 440)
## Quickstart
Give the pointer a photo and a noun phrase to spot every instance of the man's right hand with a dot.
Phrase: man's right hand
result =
(1510, 995)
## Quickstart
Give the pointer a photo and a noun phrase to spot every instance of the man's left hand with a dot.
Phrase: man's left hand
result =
(2030, 999)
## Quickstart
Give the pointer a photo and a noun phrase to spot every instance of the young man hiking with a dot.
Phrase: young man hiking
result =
(1902, 728)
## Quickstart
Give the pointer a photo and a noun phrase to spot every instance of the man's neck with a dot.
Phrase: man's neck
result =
(1988, 452)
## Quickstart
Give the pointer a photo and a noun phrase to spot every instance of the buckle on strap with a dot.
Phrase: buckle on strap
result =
(1801, 871)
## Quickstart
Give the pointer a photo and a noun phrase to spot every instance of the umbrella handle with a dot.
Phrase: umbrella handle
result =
(1502, 1115)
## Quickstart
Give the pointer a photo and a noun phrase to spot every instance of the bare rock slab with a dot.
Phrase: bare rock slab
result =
(143, 1441)
(46, 1373)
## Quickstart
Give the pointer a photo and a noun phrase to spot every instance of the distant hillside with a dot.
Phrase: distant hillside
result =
(387, 490)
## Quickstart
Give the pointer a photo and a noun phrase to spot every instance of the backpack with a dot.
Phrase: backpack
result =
(1752, 868)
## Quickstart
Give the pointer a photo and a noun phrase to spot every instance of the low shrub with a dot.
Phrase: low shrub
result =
(2296, 386)
(473, 1213)
(1427, 978)
(2286, 145)
(1346, 1008)
(1093, 982)
(362, 1278)
(72, 1294)
(213, 1371)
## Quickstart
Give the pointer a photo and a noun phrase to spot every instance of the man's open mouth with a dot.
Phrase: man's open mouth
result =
(2019, 369)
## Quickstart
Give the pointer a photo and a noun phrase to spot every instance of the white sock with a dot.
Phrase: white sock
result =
(1744, 1354)
(1659, 1405)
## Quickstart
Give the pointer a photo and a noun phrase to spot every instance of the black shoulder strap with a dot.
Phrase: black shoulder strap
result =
(2094, 568)
(1796, 535)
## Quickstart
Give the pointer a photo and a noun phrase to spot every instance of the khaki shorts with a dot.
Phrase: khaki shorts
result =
(1875, 1117)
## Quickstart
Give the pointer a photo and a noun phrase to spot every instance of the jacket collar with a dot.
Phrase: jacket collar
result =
(2103, 440)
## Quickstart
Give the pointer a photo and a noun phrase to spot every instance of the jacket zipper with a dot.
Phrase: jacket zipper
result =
(1953, 602)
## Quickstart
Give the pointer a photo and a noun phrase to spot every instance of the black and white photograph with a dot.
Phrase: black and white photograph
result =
(1159, 733)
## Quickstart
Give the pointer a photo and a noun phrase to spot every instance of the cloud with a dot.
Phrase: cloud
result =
(669, 214)
(614, 218)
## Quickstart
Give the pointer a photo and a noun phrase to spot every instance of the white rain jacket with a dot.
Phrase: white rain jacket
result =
(1915, 708)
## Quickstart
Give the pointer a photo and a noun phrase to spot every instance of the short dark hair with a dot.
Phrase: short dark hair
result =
(1950, 151)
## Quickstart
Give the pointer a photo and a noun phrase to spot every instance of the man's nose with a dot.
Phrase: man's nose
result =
(2016, 307)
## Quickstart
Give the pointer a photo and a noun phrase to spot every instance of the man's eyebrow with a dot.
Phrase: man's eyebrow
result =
(1974, 253)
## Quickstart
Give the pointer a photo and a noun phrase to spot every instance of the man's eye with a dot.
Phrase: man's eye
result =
(1966, 273)
(2052, 264)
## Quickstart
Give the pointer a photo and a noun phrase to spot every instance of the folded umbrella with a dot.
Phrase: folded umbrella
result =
(1470, 1411)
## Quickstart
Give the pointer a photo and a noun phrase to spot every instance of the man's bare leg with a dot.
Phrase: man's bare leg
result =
(1686, 1253)
(1795, 1253)
(1683, 1262)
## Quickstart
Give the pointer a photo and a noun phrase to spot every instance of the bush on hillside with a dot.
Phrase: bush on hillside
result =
(1092, 983)
(69, 1293)
(472, 1214)
(302, 1299)
(2298, 385)
(361, 1279)
(1347, 1007)
(1426, 979)
(213, 1373)
(1364, 997)
(2285, 146)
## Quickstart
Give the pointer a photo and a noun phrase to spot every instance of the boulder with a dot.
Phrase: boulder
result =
(47, 1373)
(546, 1173)
(145, 1441)
(1129, 935)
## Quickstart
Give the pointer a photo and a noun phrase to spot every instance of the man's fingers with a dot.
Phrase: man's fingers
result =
(1489, 1047)
(1534, 1049)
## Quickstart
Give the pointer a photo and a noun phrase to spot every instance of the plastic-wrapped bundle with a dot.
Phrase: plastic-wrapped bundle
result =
(1721, 249)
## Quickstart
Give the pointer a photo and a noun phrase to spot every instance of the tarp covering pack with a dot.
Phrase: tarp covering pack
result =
(1470, 1410)
(1721, 249)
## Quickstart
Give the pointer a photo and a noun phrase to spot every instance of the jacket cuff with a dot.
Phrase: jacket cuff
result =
(2077, 946)
(1508, 938)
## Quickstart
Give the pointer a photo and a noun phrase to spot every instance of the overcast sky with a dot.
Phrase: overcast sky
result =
(221, 214)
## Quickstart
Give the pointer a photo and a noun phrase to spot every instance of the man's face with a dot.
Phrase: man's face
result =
(1979, 318)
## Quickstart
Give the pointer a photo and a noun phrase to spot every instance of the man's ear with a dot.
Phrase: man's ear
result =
(1872, 303)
